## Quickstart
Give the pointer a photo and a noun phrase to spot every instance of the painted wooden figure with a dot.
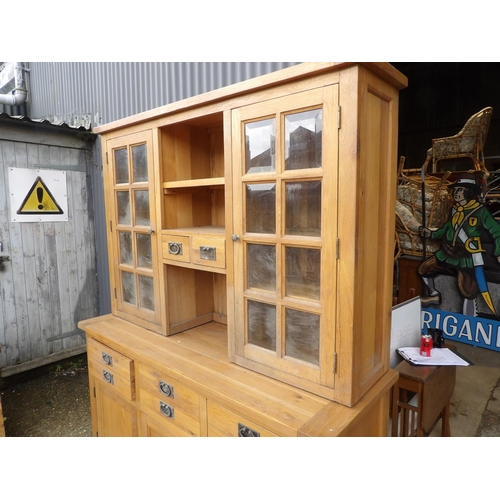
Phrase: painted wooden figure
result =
(462, 246)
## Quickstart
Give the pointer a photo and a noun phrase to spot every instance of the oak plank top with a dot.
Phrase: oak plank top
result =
(199, 358)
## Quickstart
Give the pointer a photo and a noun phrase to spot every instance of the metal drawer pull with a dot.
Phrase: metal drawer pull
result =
(107, 359)
(166, 389)
(108, 377)
(174, 248)
(167, 410)
(207, 253)
(245, 432)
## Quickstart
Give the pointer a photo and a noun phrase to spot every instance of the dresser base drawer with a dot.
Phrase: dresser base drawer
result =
(223, 422)
(113, 380)
(174, 417)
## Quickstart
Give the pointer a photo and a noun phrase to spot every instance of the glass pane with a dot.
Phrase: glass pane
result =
(128, 288)
(259, 146)
(303, 208)
(123, 205)
(302, 336)
(140, 163)
(303, 133)
(126, 255)
(121, 166)
(144, 251)
(261, 208)
(303, 266)
(141, 199)
(261, 265)
(146, 293)
(262, 325)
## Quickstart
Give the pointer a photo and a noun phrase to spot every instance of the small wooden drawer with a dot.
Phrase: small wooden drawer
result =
(208, 251)
(105, 357)
(223, 422)
(112, 368)
(113, 380)
(175, 247)
(169, 401)
(165, 387)
(163, 410)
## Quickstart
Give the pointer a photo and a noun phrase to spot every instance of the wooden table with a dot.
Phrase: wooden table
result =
(434, 386)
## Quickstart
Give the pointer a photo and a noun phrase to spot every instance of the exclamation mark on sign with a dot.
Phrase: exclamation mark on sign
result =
(39, 194)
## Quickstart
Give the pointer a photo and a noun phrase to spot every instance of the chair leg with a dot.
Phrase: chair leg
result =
(405, 425)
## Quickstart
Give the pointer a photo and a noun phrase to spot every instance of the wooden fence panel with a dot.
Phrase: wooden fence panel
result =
(50, 282)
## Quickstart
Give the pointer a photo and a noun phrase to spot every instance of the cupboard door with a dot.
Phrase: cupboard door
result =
(130, 180)
(285, 223)
(112, 415)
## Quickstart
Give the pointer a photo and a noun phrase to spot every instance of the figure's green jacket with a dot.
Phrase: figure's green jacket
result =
(474, 226)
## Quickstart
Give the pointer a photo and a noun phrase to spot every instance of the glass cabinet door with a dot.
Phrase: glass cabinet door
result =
(132, 224)
(285, 181)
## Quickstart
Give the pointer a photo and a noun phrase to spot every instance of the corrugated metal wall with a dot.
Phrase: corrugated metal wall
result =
(94, 93)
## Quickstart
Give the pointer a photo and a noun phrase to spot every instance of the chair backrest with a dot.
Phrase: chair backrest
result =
(475, 130)
(468, 142)
(484, 120)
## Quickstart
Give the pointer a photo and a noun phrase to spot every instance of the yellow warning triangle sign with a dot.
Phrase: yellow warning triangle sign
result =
(39, 200)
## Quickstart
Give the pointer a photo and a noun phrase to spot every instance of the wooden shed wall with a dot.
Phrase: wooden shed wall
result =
(50, 282)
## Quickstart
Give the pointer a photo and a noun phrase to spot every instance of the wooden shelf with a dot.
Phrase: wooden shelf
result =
(199, 230)
(213, 183)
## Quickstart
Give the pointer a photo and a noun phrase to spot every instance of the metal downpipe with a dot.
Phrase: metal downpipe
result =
(20, 92)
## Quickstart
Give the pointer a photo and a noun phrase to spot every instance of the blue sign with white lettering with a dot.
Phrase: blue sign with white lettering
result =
(479, 332)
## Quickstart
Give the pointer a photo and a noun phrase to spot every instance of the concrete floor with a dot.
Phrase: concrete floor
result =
(51, 401)
(54, 401)
(475, 404)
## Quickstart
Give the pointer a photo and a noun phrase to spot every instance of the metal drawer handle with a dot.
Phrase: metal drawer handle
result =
(244, 431)
(107, 359)
(167, 410)
(108, 377)
(207, 253)
(174, 248)
(166, 389)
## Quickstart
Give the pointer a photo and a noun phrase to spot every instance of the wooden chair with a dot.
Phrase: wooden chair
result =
(468, 143)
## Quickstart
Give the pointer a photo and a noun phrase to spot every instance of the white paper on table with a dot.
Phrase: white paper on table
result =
(439, 356)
